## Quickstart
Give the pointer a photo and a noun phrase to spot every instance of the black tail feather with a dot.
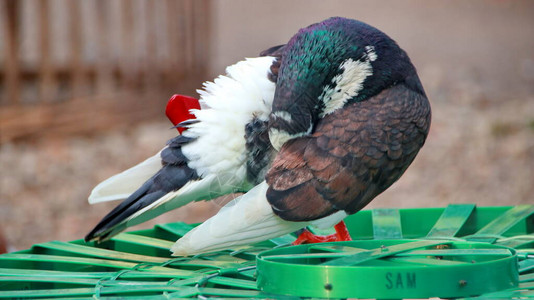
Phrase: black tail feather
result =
(171, 177)
(128, 207)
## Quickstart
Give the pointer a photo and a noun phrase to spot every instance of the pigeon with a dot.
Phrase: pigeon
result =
(310, 132)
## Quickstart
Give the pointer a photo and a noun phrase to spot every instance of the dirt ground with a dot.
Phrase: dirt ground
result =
(480, 148)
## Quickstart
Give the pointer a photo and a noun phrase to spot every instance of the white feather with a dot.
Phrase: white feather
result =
(233, 100)
(330, 220)
(228, 104)
(122, 185)
(348, 84)
(206, 188)
(245, 220)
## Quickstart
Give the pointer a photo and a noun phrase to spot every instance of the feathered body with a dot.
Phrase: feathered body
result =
(312, 131)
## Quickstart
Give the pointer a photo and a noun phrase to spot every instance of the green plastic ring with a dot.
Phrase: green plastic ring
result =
(388, 269)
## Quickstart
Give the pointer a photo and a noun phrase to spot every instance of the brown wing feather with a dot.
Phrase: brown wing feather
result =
(354, 154)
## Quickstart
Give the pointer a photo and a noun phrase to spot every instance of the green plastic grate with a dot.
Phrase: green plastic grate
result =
(461, 241)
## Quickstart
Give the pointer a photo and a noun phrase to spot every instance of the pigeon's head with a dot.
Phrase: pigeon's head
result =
(330, 64)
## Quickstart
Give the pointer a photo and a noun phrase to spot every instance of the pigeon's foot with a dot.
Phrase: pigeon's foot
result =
(342, 234)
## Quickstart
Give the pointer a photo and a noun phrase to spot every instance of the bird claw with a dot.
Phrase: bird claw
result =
(306, 237)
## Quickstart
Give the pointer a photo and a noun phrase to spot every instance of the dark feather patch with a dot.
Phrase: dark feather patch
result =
(274, 51)
(174, 156)
(187, 123)
(179, 141)
(260, 152)
(354, 154)
(173, 153)
(278, 52)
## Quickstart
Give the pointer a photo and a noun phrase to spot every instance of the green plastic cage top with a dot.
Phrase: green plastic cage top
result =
(461, 251)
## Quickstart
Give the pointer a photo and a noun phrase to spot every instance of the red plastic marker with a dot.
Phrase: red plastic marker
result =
(178, 107)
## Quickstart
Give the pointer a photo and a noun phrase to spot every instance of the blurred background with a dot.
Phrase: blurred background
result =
(83, 86)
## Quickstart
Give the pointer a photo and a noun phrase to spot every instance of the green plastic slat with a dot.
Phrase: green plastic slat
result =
(364, 256)
(137, 288)
(101, 253)
(215, 264)
(508, 294)
(229, 282)
(527, 285)
(93, 298)
(282, 257)
(526, 265)
(497, 227)
(336, 248)
(55, 293)
(526, 253)
(65, 259)
(233, 282)
(457, 252)
(93, 282)
(386, 224)
(131, 274)
(283, 240)
(69, 280)
(221, 280)
(89, 262)
(187, 292)
(425, 261)
(132, 289)
(451, 220)
(210, 292)
(521, 241)
(231, 293)
(179, 229)
(49, 273)
(144, 241)
(523, 291)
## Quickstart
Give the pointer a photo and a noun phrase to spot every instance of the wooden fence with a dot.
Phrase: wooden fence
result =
(71, 66)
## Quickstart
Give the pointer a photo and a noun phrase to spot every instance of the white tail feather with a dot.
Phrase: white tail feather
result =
(203, 189)
(122, 185)
(247, 219)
